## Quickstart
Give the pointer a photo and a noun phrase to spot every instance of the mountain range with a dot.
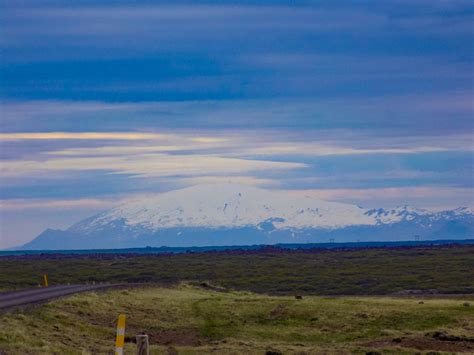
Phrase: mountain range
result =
(230, 214)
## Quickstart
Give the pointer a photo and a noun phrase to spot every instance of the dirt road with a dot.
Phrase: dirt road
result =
(14, 299)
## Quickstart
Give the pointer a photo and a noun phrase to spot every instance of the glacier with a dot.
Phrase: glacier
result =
(232, 214)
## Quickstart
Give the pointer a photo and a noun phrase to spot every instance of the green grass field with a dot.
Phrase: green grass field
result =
(244, 302)
(189, 320)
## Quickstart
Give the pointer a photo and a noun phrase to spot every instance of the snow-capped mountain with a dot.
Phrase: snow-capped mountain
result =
(230, 206)
(229, 214)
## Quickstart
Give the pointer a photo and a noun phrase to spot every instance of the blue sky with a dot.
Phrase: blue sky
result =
(367, 102)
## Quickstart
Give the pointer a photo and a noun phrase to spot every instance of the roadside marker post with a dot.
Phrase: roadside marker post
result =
(142, 344)
(120, 340)
(45, 277)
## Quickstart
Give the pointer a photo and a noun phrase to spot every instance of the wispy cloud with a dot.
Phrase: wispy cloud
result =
(56, 204)
(97, 23)
(120, 150)
(390, 115)
(140, 154)
(431, 197)
(81, 136)
(316, 149)
(156, 165)
(234, 179)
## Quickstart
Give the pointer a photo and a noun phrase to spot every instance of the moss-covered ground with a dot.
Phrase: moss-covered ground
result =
(378, 271)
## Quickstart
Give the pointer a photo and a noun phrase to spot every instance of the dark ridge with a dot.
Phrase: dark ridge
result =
(312, 247)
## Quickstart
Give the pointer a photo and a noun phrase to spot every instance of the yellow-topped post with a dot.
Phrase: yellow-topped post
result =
(120, 340)
(45, 277)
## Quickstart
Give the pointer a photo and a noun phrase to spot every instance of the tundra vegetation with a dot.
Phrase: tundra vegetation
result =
(374, 271)
(394, 300)
(187, 319)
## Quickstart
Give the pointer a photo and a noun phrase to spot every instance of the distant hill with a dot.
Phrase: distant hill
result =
(229, 214)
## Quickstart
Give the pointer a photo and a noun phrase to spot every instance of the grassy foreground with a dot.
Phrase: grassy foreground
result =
(190, 320)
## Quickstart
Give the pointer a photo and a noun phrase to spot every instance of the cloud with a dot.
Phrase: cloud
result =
(316, 149)
(81, 136)
(347, 67)
(119, 150)
(234, 179)
(147, 165)
(431, 197)
(175, 153)
(325, 94)
(56, 204)
(394, 115)
(242, 146)
(169, 23)
(208, 139)
(97, 23)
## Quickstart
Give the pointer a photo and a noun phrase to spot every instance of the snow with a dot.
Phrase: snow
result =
(232, 205)
(461, 211)
(397, 214)
(235, 206)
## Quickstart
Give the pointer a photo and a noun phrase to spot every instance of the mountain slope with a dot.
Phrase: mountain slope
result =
(230, 206)
(229, 214)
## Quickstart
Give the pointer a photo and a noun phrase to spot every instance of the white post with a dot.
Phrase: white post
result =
(142, 344)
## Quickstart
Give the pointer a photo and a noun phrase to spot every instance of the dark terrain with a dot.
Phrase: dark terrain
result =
(443, 269)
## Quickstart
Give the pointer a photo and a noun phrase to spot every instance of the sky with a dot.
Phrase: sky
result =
(367, 102)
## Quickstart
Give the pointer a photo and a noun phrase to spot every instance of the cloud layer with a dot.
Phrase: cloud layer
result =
(368, 102)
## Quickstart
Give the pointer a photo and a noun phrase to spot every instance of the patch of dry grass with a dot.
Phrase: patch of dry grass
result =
(190, 320)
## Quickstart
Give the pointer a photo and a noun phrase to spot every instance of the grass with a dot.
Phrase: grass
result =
(191, 320)
(378, 271)
(258, 312)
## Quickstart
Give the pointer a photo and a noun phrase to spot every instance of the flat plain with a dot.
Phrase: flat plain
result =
(394, 300)
(371, 271)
